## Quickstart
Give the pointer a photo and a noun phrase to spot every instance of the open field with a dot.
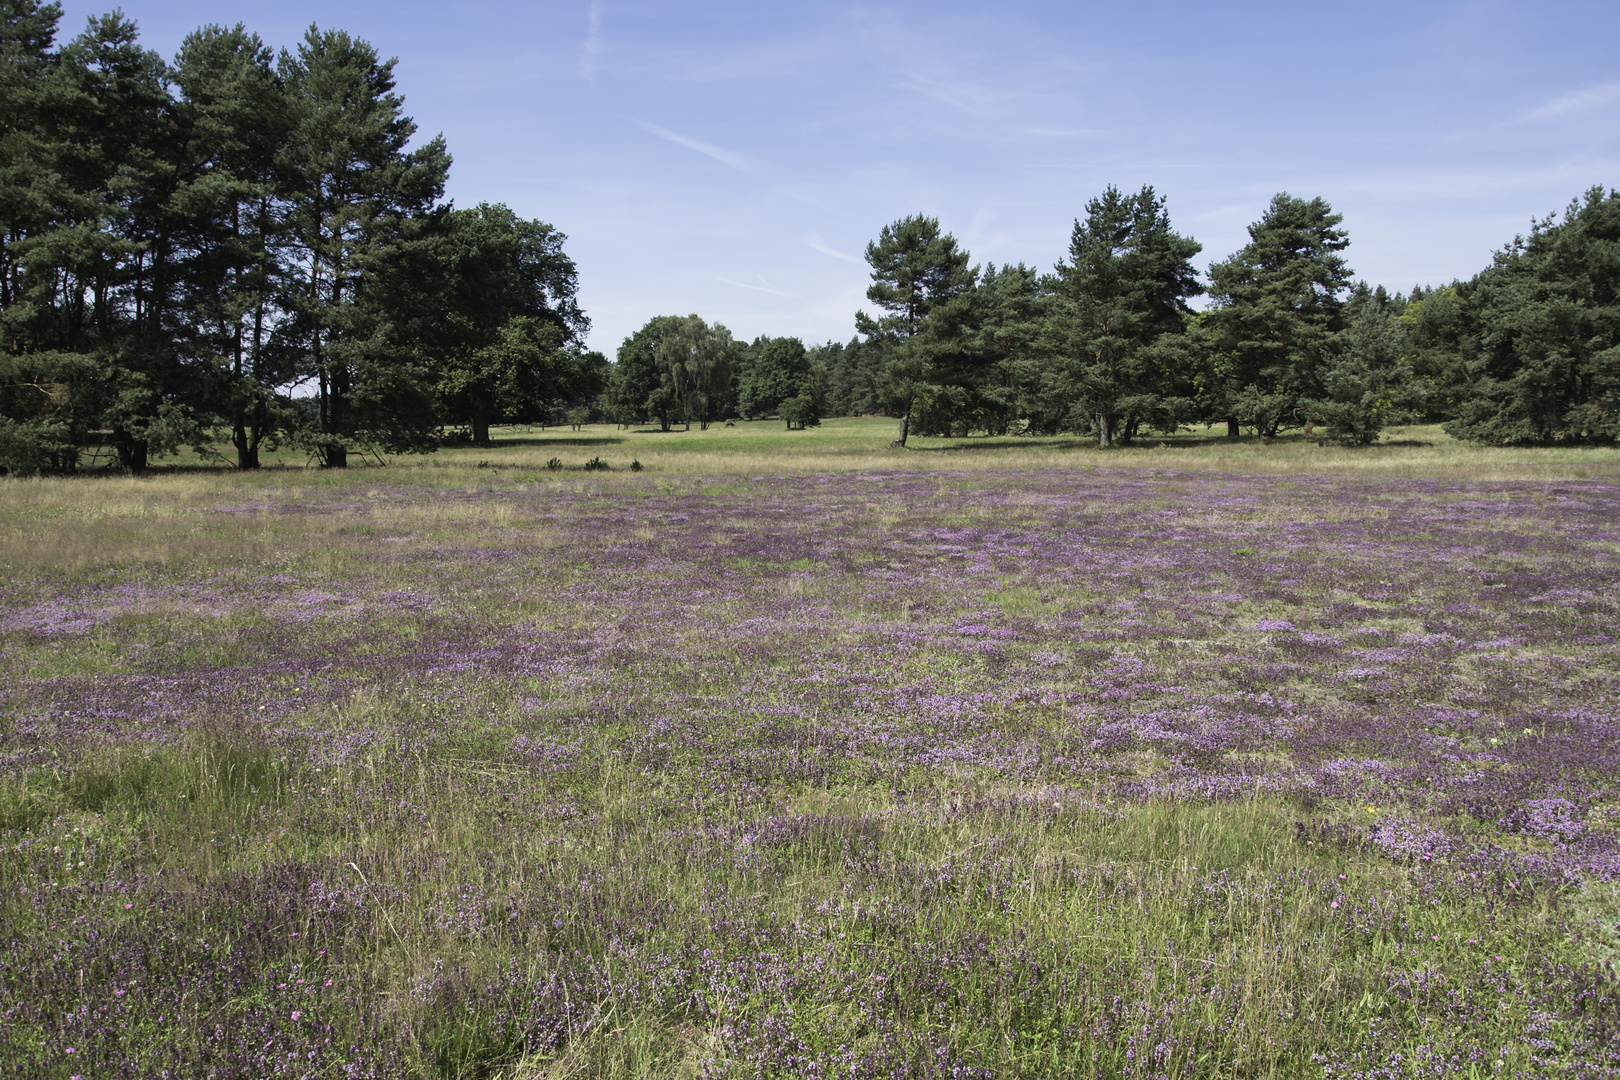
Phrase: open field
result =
(861, 443)
(793, 756)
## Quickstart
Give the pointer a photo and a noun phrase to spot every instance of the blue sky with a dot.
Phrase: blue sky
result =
(733, 160)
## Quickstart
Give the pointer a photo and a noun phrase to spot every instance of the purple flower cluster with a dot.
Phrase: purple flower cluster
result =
(865, 714)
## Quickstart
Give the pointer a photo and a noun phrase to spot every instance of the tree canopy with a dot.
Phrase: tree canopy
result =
(775, 370)
(252, 247)
(1543, 362)
(240, 248)
(1123, 289)
(1278, 315)
(917, 271)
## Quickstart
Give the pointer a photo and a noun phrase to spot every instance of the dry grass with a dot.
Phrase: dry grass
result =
(860, 444)
(186, 512)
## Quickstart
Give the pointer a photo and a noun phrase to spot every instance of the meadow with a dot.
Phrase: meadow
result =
(789, 755)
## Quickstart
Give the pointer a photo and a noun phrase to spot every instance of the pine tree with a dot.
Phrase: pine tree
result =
(354, 191)
(916, 270)
(1370, 377)
(1125, 285)
(234, 118)
(48, 394)
(1547, 316)
(1278, 315)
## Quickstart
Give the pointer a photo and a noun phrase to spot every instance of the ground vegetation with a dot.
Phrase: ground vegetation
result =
(247, 249)
(1119, 768)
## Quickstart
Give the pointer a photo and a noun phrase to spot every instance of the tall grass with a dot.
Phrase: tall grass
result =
(1055, 936)
(792, 755)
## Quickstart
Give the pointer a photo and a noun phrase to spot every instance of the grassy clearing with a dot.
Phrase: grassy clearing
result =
(1050, 937)
(197, 515)
(861, 443)
(920, 764)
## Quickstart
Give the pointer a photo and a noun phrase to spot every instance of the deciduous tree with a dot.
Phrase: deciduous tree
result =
(776, 369)
(635, 388)
(503, 331)
(695, 361)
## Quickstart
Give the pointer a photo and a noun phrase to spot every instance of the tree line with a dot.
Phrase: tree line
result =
(243, 248)
(1109, 344)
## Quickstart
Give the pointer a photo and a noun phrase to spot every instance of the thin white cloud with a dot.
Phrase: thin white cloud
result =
(1576, 101)
(816, 243)
(1054, 133)
(724, 157)
(773, 60)
(593, 43)
(757, 288)
(974, 99)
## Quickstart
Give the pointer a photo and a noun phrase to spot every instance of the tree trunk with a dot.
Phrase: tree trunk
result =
(905, 428)
(334, 378)
(131, 452)
(337, 455)
(480, 419)
(1105, 433)
(1232, 427)
(247, 448)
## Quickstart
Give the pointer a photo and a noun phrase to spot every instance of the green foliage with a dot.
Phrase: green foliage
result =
(355, 193)
(971, 345)
(91, 154)
(1278, 318)
(635, 392)
(852, 373)
(915, 269)
(916, 272)
(234, 120)
(1122, 291)
(695, 368)
(48, 400)
(800, 411)
(495, 315)
(1442, 336)
(674, 367)
(1537, 344)
(183, 247)
(774, 370)
(1370, 379)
